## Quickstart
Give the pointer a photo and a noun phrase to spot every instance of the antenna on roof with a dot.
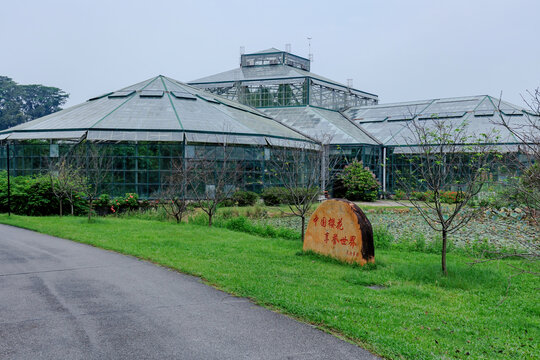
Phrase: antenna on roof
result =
(310, 55)
(349, 83)
(288, 48)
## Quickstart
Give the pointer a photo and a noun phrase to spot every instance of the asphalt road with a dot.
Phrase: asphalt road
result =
(64, 300)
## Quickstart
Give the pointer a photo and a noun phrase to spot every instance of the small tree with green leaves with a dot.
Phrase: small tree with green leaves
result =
(443, 155)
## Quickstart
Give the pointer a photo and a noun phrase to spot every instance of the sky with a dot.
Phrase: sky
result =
(399, 50)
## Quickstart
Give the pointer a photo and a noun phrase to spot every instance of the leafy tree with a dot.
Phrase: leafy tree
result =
(22, 103)
(360, 183)
(445, 156)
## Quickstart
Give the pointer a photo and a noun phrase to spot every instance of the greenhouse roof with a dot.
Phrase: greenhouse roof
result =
(159, 109)
(326, 126)
(389, 122)
(277, 73)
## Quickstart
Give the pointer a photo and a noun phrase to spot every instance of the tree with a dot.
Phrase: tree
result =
(444, 157)
(213, 177)
(94, 164)
(66, 181)
(22, 103)
(526, 184)
(298, 170)
(173, 195)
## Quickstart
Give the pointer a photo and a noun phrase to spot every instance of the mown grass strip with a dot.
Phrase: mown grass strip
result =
(413, 313)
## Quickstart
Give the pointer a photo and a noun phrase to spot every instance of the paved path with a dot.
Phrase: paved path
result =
(64, 300)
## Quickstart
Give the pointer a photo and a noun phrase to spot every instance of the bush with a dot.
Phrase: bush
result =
(245, 198)
(257, 212)
(360, 183)
(273, 196)
(128, 202)
(451, 197)
(400, 195)
(104, 200)
(227, 203)
(33, 195)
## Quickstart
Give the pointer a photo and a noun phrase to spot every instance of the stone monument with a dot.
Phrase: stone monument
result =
(340, 229)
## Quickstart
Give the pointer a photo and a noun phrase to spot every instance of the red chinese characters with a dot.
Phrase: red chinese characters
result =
(332, 223)
(323, 222)
(339, 225)
(315, 219)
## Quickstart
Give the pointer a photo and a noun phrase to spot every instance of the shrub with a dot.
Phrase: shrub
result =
(128, 202)
(227, 203)
(245, 198)
(273, 196)
(418, 196)
(33, 195)
(257, 212)
(400, 195)
(360, 183)
(450, 197)
(104, 200)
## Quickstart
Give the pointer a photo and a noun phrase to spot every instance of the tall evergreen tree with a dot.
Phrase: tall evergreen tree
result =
(22, 103)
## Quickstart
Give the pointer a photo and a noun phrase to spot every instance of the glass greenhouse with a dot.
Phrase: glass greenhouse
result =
(389, 123)
(349, 122)
(281, 85)
(146, 129)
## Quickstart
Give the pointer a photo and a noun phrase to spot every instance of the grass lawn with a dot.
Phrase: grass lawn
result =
(418, 314)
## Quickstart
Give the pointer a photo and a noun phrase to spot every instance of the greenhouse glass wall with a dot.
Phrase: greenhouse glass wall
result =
(392, 125)
(147, 130)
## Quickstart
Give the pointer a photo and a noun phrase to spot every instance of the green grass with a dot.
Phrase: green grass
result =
(418, 314)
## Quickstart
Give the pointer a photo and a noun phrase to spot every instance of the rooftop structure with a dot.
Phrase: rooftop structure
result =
(275, 78)
(158, 109)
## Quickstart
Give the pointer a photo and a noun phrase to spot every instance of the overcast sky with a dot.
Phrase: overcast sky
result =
(399, 50)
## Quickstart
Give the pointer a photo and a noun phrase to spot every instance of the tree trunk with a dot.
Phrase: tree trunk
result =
(210, 219)
(72, 210)
(443, 259)
(303, 228)
(90, 202)
(61, 207)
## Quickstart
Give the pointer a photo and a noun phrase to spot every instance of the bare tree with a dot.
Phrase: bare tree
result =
(443, 156)
(95, 165)
(66, 180)
(173, 195)
(60, 179)
(213, 177)
(298, 171)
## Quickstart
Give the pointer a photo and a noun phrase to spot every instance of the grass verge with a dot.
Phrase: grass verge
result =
(400, 308)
